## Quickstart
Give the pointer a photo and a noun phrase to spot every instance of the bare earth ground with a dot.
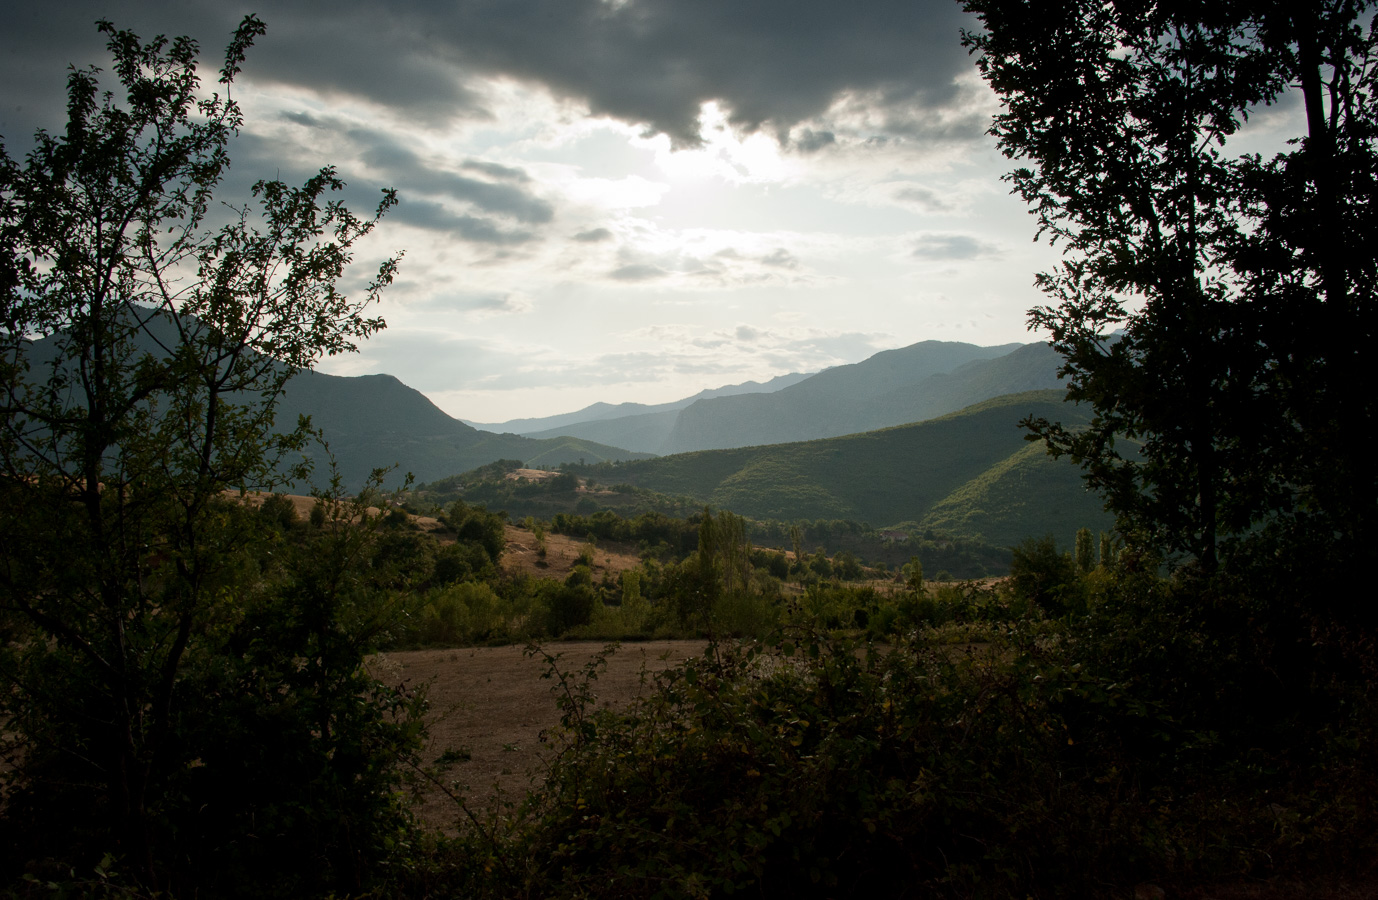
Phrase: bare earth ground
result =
(561, 555)
(492, 704)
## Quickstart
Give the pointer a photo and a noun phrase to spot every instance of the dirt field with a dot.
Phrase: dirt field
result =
(561, 554)
(491, 704)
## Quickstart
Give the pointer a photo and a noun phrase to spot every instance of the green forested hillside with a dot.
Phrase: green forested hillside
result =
(1027, 487)
(970, 473)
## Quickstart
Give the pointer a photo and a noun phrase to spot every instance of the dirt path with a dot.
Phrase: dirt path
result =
(490, 704)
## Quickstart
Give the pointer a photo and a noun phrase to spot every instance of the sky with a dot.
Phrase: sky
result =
(614, 200)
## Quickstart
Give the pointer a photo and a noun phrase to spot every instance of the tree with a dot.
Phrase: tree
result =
(796, 542)
(1085, 551)
(1213, 309)
(145, 335)
(725, 550)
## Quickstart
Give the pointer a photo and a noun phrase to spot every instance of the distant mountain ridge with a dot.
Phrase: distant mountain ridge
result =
(376, 421)
(599, 412)
(962, 471)
(893, 387)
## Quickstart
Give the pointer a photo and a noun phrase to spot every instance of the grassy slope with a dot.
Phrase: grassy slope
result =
(969, 473)
(1027, 488)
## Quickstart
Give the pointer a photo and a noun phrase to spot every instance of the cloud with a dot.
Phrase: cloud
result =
(437, 217)
(952, 247)
(433, 194)
(593, 236)
(482, 303)
(847, 346)
(402, 166)
(719, 270)
(810, 141)
(637, 272)
(781, 258)
(495, 170)
(769, 63)
(706, 259)
(924, 198)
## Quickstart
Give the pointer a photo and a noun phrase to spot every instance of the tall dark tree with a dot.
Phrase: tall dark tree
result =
(1213, 308)
(146, 333)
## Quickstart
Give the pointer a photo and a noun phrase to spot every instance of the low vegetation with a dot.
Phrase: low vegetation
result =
(1084, 727)
(659, 524)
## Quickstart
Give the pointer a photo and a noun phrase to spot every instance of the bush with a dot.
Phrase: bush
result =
(1045, 577)
(460, 562)
(571, 605)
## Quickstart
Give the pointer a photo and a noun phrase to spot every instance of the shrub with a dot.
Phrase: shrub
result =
(571, 605)
(1044, 576)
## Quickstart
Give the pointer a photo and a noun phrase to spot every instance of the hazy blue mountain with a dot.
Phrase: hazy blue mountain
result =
(1031, 367)
(894, 387)
(646, 432)
(549, 426)
(376, 420)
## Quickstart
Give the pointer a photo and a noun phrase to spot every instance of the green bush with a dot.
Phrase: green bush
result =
(460, 562)
(1044, 576)
(571, 605)
(460, 614)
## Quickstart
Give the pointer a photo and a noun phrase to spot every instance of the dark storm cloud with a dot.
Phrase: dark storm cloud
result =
(810, 141)
(769, 62)
(420, 185)
(400, 165)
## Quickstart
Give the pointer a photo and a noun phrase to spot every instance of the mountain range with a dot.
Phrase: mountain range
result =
(376, 420)
(894, 387)
(925, 436)
(599, 412)
(372, 421)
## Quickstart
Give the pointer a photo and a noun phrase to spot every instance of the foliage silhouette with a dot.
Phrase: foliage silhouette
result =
(184, 681)
(1213, 309)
